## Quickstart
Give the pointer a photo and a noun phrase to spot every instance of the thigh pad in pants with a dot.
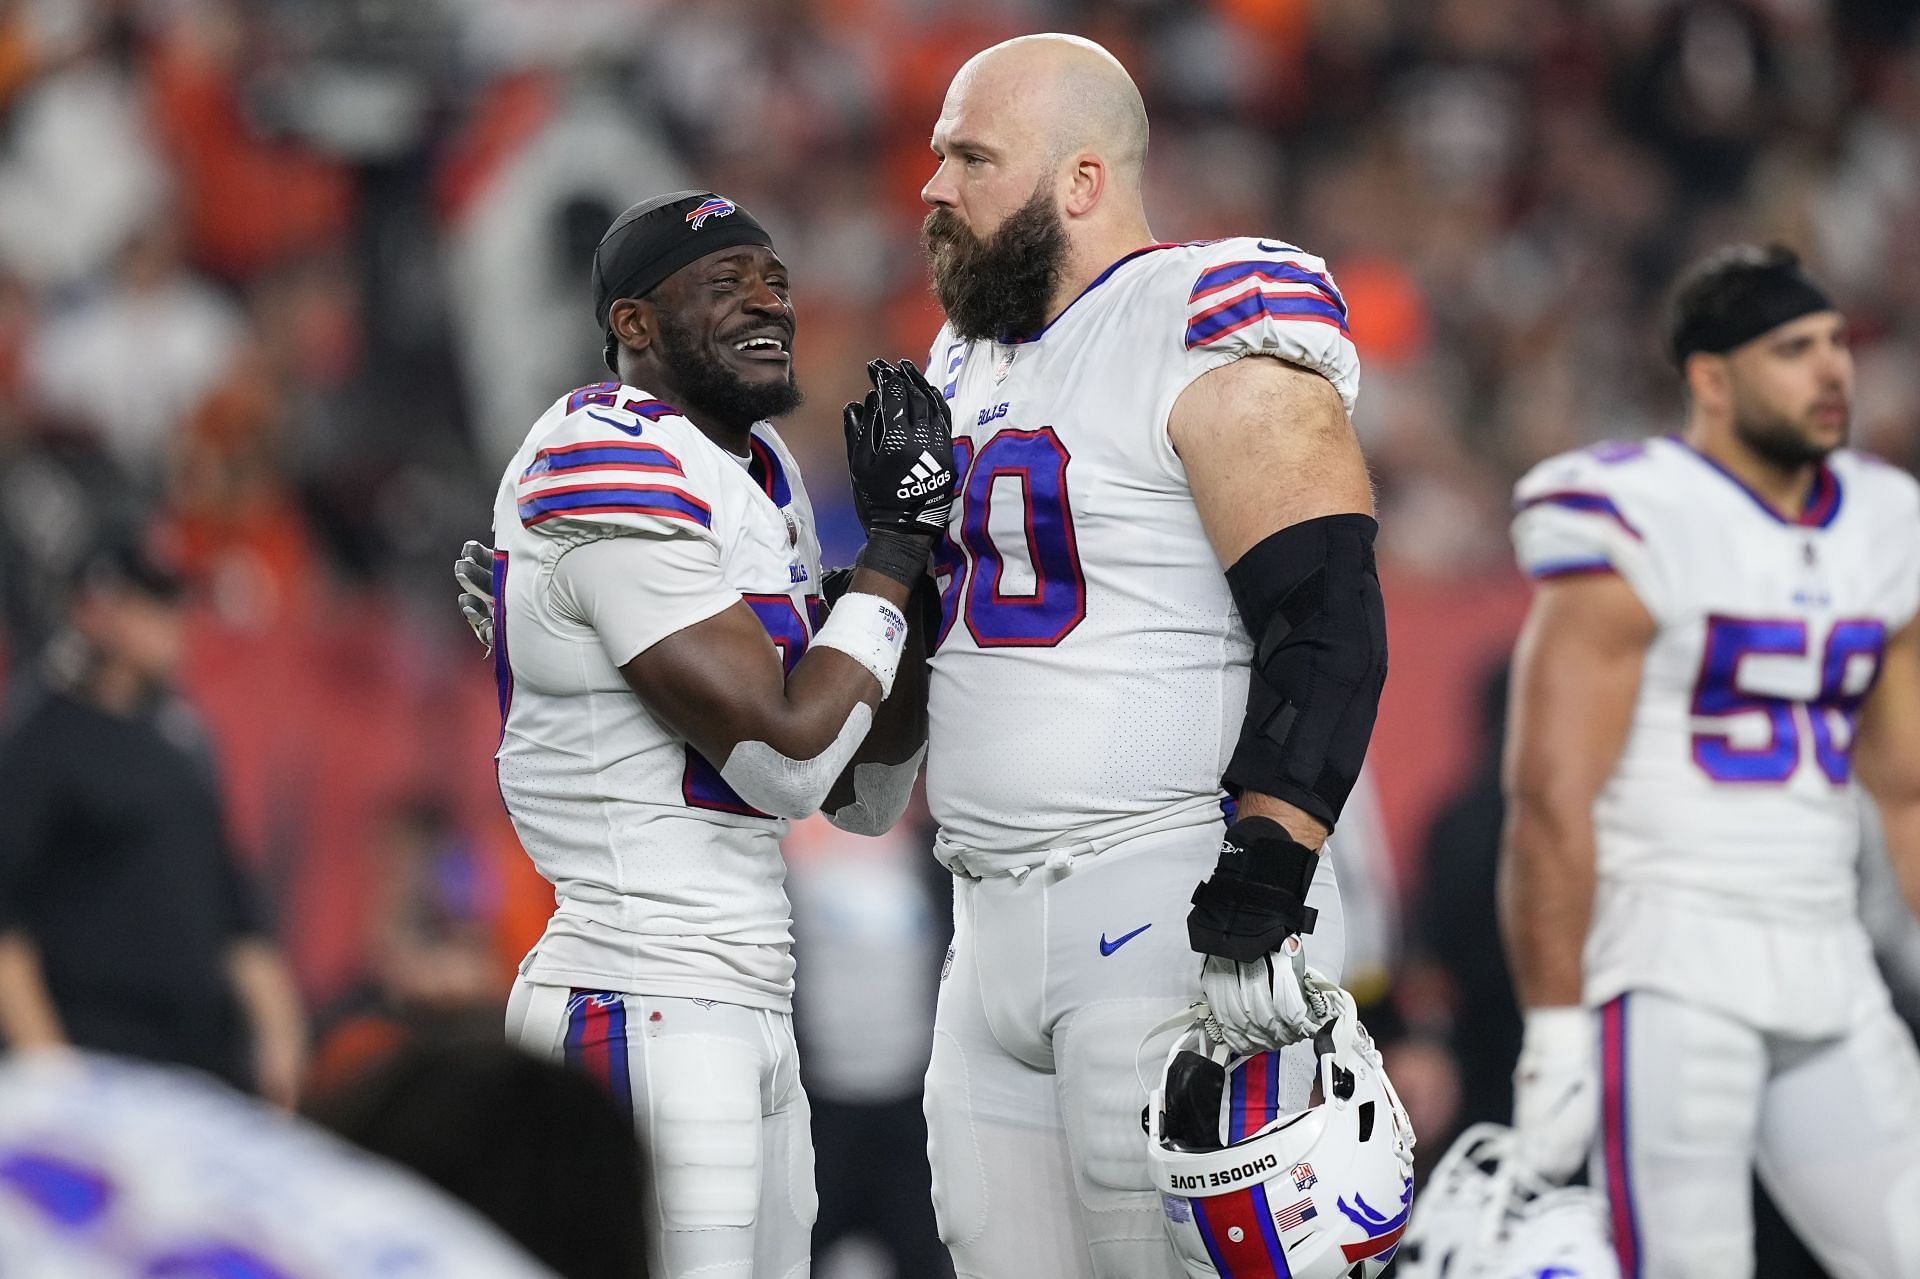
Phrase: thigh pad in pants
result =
(1104, 1071)
(703, 1092)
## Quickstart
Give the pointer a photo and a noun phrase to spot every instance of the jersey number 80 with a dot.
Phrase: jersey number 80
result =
(974, 564)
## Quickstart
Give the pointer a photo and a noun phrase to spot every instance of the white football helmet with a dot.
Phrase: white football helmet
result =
(1251, 1191)
(1483, 1216)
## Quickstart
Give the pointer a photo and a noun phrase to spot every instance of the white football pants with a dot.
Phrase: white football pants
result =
(1694, 1101)
(1039, 1077)
(715, 1094)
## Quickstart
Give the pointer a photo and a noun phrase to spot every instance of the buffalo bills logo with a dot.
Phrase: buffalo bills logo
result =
(1383, 1231)
(712, 207)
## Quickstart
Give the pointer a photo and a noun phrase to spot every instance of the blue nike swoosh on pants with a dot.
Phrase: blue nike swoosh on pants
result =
(1108, 947)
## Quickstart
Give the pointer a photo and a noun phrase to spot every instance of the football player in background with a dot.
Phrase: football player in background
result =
(1159, 573)
(670, 697)
(1723, 634)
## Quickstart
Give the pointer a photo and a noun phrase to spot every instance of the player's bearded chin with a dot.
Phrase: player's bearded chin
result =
(1000, 286)
(1778, 441)
(707, 383)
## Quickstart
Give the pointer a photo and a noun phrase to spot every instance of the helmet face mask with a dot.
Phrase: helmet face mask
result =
(1483, 1217)
(1251, 1190)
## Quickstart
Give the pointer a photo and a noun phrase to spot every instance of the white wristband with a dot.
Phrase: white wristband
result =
(870, 631)
(1561, 1031)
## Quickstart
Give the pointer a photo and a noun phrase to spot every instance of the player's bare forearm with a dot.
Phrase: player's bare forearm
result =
(1901, 824)
(1576, 677)
(1546, 902)
(28, 1018)
(899, 724)
(1886, 755)
(719, 683)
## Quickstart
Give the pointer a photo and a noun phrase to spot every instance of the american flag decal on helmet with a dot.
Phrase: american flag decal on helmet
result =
(713, 206)
(1295, 1215)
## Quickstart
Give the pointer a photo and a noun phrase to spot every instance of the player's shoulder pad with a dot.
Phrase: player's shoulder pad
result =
(1584, 511)
(1606, 469)
(616, 461)
(1254, 296)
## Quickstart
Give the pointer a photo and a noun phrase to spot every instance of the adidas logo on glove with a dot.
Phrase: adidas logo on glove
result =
(926, 476)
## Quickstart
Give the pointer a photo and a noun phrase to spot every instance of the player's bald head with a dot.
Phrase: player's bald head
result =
(1042, 142)
(1061, 93)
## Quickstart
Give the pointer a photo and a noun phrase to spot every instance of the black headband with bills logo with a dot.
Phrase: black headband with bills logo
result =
(656, 237)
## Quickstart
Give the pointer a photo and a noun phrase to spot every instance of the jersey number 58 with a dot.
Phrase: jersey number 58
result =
(1848, 667)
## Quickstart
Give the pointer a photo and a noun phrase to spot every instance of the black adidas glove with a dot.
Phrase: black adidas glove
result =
(900, 453)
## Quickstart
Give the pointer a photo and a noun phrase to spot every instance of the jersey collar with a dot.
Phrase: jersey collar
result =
(1098, 280)
(1823, 499)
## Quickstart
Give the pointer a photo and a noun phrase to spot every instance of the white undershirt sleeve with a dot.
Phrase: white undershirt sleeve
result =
(636, 591)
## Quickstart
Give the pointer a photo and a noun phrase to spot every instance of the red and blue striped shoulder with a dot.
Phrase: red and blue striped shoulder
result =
(614, 505)
(1583, 512)
(1247, 281)
(1253, 296)
(614, 461)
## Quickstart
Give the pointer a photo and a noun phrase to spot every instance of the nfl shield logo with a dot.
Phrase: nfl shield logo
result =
(1303, 1176)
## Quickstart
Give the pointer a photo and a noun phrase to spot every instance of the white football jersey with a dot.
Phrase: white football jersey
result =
(1728, 833)
(1091, 675)
(666, 882)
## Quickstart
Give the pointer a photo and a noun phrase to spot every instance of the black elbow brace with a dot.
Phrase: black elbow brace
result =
(1310, 598)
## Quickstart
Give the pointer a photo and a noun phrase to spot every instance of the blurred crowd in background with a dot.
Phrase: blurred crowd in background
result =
(284, 282)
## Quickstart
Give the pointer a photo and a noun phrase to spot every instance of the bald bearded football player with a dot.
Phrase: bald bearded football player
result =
(1161, 626)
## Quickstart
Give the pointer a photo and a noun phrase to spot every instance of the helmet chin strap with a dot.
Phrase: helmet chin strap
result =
(1195, 1011)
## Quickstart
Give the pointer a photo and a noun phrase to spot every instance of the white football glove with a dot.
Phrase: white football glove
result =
(1556, 1091)
(1274, 1001)
(474, 571)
